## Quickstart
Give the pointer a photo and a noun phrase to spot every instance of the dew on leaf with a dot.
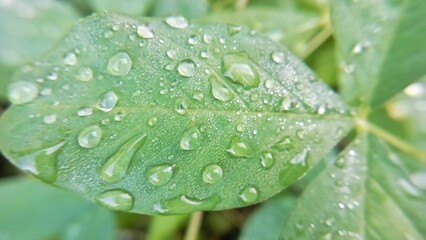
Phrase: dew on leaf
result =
(184, 204)
(152, 121)
(22, 92)
(172, 54)
(178, 22)
(145, 31)
(212, 173)
(119, 64)
(107, 101)
(53, 76)
(116, 166)
(267, 160)
(300, 133)
(190, 139)
(285, 143)
(241, 127)
(219, 91)
(70, 59)
(277, 57)
(193, 40)
(49, 119)
(419, 179)
(199, 96)
(181, 106)
(205, 54)
(159, 175)
(288, 104)
(186, 68)
(116, 200)
(409, 188)
(340, 162)
(119, 116)
(84, 112)
(90, 137)
(233, 29)
(239, 148)
(300, 158)
(85, 74)
(249, 195)
(239, 68)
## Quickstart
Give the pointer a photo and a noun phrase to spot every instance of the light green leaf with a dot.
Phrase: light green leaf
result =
(32, 210)
(187, 8)
(382, 45)
(267, 221)
(366, 193)
(158, 123)
(288, 27)
(164, 227)
(28, 30)
(130, 7)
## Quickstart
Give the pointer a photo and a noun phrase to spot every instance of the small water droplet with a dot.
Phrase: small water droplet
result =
(119, 116)
(322, 109)
(41, 163)
(22, 92)
(119, 64)
(160, 175)
(409, 188)
(340, 162)
(152, 121)
(186, 68)
(116, 167)
(233, 29)
(53, 76)
(145, 31)
(90, 137)
(288, 104)
(181, 106)
(190, 139)
(239, 148)
(107, 101)
(172, 54)
(241, 127)
(85, 74)
(207, 38)
(270, 84)
(238, 68)
(70, 59)
(185, 204)
(212, 173)
(249, 195)
(193, 40)
(178, 22)
(205, 54)
(267, 160)
(285, 143)
(84, 112)
(49, 119)
(199, 96)
(116, 199)
(219, 91)
(419, 179)
(277, 57)
(300, 133)
(300, 158)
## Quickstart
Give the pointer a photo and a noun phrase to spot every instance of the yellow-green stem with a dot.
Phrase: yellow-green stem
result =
(194, 226)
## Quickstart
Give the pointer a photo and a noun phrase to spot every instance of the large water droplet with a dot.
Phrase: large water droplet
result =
(277, 57)
(186, 68)
(288, 104)
(409, 187)
(85, 74)
(116, 166)
(41, 163)
(267, 160)
(145, 31)
(70, 59)
(116, 199)
(119, 64)
(249, 195)
(239, 148)
(284, 143)
(185, 204)
(190, 139)
(239, 69)
(107, 101)
(219, 91)
(179, 22)
(172, 54)
(160, 175)
(300, 158)
(212, 173)
(419, 179)
(22, 92)
(90, 137)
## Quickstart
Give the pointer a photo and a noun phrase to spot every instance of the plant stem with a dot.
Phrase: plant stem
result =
(194, 226)
(241, 4)
(317, 41)
(392, 139)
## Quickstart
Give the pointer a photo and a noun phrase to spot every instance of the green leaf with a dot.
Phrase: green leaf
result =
(33, 210)
(130, 7)
(158, 123)
(288, 27)
(28, 30)
(382, 45)
(187, 8)
(164, 227)
(267, 221)
(366, 193)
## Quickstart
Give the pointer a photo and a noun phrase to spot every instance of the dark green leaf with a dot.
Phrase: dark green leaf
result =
(366, 193)
(382, 45)
(156, 116)
(32, 210)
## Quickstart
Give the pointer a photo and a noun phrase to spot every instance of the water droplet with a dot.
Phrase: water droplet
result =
(249, 195)
(340, 162)
(233, 29)
(190, 139)
(238, 68)
(145, 31)
(288, 104)
(186, 68)
(152, 121)
(85, 74)
(160, 175)
(241, 127)
(207, 38)
(49, 119)
(419, 179)
(84, 112)
(205, 54)
(267, 160)
(119, 116)
(22, 92)
(300, 133)
(409, 188)
(116, 166)
(53, 76)
(107, 101)
(300, 158)
(119, 64)
(322, 109)
(270, 84)
(185, 204)
(179, 22)
(219, 91)
(360, 47)
(193, 40)
(284, 144)
(277, 57)
(172, 54)
(90, 137)
(198, 95)
(181, 106)
(41, 163)
(239, 148)
(212, 173)
(116, 199)
(70, 59)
